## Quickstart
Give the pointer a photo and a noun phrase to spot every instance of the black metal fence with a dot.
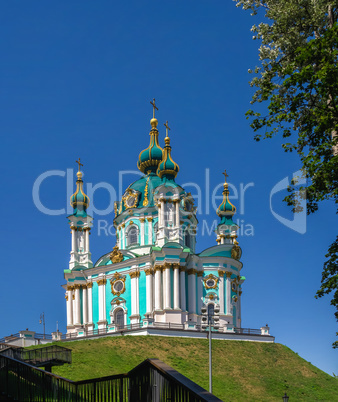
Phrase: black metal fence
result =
(151, 381)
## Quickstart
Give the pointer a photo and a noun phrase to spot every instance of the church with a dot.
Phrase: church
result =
(153, 278)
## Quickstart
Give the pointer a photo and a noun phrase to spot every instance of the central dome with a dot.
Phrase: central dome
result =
(150, 157)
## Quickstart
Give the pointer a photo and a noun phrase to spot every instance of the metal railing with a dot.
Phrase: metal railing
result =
(41, 356)
(248, 331)
(151, 381)
(130, 328)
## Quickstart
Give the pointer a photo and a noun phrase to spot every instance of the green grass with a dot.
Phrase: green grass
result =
(242, 371)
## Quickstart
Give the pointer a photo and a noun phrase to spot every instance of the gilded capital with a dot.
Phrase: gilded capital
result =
(228, 274)
(77, 286)
(158, 268)
(123, 225)
(71, 288)
(101, 282)
(149, 219)
(182, 269)
(142, 219)
(134, 274)
(149, 271)
(167, 265)
(176, 266)
(199, 273)
(192, 271)
(89, 285)
(221, 273)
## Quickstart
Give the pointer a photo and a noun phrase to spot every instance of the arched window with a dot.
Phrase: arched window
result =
(132, 235)
(119, 318)
(187, 238)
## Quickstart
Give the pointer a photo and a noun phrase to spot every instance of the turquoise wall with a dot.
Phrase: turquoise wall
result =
(95, 291)
(142, 294)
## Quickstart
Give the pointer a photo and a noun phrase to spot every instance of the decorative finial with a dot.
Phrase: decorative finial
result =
(167, 139)
(167, 128)
(225, 185)
(79, 163)
(154, 107)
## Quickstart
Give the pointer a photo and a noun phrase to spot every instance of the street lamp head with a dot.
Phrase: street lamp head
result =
(285, 398)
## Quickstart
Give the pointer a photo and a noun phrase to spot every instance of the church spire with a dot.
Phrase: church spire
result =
(167, 168)
(226, 209)
(79, 200)
(150, 157)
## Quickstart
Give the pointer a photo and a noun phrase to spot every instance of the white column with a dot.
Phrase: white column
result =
(158, 293)
(87, 240)
(134, 289)
(164, 288)
(84, 304)
(90, 302)
(120, 237)
(228, 293)
(102, 300)
(182, 288)
(142, 231)
(123, 236)
(77, 305)
(162, 213)
(199, 291)
(167, 274)
(176, 268)
(177, 213)
(159, 206)
(192, 290)
(239, 313)
(74, 248)
(221, 291)
(69, 298)
(149, 289)
(150, 230)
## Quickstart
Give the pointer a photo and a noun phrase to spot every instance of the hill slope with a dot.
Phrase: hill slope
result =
(242, 371)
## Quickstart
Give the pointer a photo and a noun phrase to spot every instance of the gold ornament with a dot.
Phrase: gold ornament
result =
(236, 251)
(118, 277)
(116, 255)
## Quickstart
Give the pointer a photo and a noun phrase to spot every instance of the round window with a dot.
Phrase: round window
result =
(210, 283)
(118, 286)
(130, 201)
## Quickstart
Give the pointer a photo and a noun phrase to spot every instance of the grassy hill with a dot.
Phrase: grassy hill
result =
(242, 371)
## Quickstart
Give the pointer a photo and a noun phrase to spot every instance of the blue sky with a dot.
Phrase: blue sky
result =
(76, 79)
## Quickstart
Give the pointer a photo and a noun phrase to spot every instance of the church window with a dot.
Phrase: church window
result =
(187, 238)
(118, 286)
(119, 318)
(132, 235)
(169, 214)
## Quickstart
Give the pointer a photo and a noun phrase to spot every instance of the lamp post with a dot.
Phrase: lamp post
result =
(210, 319)
(285, 397)
(42, 321)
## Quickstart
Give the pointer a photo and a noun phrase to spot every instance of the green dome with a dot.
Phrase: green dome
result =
(226, 208)
(167, 168)
(79, 200)
(150, 157)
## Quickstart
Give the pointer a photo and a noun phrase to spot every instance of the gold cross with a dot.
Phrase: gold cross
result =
(154, 107)
(225, 175)
(167, 128)
(79, 163)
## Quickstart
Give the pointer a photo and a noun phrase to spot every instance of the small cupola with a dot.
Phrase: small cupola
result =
(226, 209)
(167, 168)
(79, 200)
